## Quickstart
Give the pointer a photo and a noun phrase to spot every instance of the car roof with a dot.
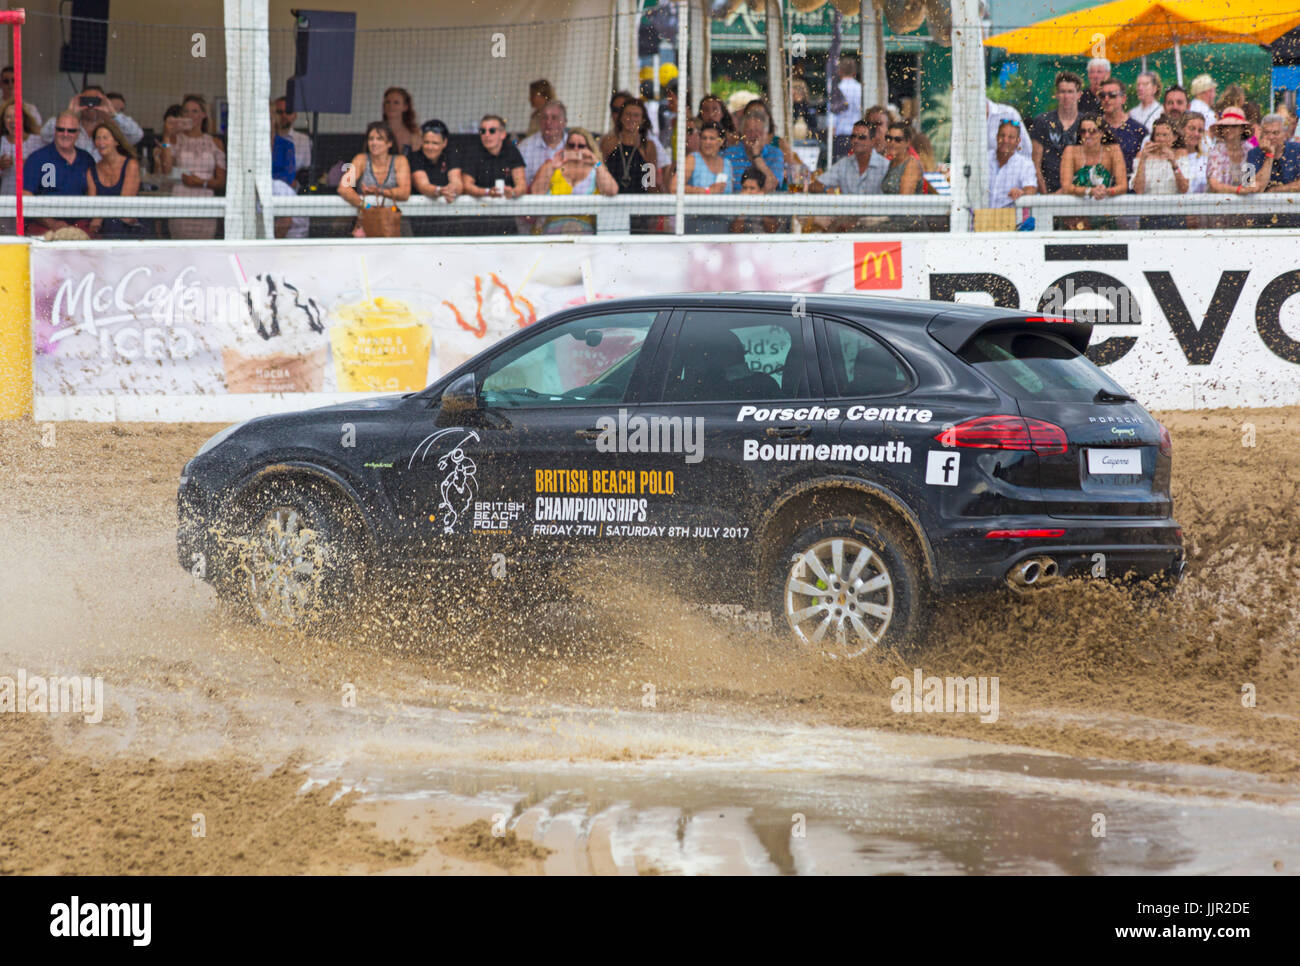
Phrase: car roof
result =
(950, 323)
(846, 303)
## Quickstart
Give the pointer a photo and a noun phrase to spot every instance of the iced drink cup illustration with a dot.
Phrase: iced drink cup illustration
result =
(278, 342)
(381, 342)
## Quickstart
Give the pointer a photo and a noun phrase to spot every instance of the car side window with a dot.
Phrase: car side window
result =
(736, 356)
(581, 362)
(861, 364)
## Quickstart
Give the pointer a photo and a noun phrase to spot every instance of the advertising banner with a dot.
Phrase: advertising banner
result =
(226, 331)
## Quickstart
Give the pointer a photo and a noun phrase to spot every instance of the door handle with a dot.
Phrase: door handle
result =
(589, 433)
(789, 432)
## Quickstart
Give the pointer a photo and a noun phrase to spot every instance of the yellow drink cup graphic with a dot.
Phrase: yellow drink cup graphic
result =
(381, 344)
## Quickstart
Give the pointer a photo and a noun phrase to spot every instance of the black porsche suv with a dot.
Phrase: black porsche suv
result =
(838, 460)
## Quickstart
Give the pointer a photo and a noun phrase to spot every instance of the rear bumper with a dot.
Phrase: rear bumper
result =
(1136, 549)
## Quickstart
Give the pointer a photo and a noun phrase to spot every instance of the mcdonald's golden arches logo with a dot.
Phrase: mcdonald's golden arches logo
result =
(877, 265)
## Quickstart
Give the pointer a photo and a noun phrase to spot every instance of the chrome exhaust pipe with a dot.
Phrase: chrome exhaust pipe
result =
(1029, 572)
(1025, 573)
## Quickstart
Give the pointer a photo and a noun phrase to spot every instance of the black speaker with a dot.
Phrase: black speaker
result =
(322, 71)
(86, 51)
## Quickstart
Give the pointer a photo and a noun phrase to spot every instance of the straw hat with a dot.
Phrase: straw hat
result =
(1231, 116)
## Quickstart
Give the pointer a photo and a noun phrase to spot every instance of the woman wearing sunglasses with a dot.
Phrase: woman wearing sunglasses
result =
(1092, 169)
(904, 174)
(574, 170)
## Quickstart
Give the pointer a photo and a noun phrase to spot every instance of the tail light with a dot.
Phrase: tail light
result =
(1023, 534)
(1006, 432)
(1166, 441)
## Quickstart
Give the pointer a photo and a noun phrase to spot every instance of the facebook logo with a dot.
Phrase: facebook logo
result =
(941, 467)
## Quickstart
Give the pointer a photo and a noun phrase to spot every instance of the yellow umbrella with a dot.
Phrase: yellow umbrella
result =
(1125, 29)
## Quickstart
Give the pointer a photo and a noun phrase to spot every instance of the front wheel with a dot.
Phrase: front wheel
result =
(291, 559)
(849, 586)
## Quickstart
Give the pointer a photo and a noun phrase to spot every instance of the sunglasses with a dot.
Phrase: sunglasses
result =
(66, 130)
(1089, 130)
(576, 145)
(1108, 95)
(861, 137)
(894, 138)
(488, 130)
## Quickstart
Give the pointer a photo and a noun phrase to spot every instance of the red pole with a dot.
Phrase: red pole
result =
(18, 18)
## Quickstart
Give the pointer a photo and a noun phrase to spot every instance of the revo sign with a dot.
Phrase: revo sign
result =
(1227, 330)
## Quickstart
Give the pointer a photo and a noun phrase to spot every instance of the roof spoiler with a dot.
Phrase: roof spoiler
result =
(954, 330)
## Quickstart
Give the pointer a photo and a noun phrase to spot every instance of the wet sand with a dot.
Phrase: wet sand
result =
(471, 720)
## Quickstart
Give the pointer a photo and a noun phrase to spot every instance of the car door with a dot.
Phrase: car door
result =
(733, 380)
(523, 470)
(886, 427)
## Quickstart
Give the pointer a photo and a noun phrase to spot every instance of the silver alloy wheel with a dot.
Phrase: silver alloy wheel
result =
(284, 568)
(839, 596)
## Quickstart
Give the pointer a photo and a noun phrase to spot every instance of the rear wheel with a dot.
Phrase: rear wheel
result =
(292, 558)
(849, 586)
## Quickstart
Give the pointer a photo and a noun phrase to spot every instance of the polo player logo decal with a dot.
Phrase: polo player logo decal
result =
(459, 481)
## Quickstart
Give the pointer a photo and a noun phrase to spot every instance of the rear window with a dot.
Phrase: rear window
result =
(1031, 365)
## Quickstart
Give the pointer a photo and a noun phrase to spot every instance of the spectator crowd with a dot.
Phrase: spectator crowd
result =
(1100, 141)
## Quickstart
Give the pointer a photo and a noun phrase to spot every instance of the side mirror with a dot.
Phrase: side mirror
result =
(460, 397)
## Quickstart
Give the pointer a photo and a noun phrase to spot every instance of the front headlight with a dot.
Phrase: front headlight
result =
(217, 440)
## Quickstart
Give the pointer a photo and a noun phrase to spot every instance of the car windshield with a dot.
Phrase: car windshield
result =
(583, 362)
(1035, 365)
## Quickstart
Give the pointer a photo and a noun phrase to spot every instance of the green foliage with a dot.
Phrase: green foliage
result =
(1258, 89)
(724, 87)
(936, 123)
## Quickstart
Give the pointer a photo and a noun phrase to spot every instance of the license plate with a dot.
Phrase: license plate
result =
(1126, 462)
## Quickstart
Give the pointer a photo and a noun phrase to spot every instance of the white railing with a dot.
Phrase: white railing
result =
(612, 215)
(1044, 208)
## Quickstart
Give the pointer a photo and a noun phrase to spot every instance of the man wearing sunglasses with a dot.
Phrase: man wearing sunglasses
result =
(480, 168)
(7, 92)
(996, 115)
(1116, 123)
(59, 168)
(862, 171)
(494, 159)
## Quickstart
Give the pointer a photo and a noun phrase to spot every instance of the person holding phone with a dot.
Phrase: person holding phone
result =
(93, 106)
(201, 160)
(574, 170)
(707, 172)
